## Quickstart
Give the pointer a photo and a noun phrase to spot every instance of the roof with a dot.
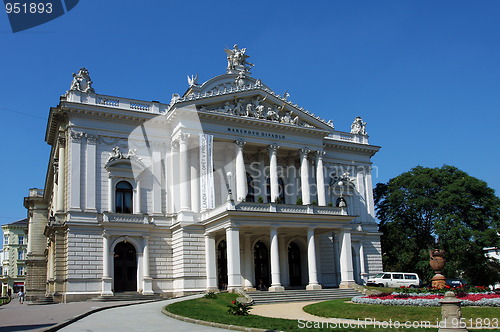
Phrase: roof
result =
(21, 222)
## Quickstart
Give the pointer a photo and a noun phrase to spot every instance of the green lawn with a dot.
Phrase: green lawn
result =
(215, 310)
(343, 309)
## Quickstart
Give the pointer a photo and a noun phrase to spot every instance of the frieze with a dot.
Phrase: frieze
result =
(76, 136)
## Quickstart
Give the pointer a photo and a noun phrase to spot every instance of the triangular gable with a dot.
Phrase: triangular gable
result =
(244, 96)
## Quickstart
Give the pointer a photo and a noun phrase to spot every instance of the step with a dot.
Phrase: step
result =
(127, 297)
(264, 297)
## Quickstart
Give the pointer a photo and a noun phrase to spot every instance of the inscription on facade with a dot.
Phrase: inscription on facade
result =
(255, 133)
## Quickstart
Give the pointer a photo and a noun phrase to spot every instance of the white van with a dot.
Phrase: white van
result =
(394, 279)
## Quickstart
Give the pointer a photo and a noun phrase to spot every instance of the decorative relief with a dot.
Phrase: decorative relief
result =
(358, 127)
(82, 82)
(117, 154)
(257, 108)
(273, 148)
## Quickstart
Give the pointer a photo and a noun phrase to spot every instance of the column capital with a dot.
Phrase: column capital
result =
(91, 138)
(146, 237)
(184, 137)
(240, 143)
(304, 152)
(76, 136)
(62, 141)
(273, 148)
(320, 154)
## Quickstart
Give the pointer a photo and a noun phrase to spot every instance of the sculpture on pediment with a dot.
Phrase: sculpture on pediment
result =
(174, 99)
(238, 109)
(228, 108)
(237, 59)
(358, 127)
(259, 108)
(192, 80)
(250, 110)
(272, 114)
(240, 79)
(82, 82)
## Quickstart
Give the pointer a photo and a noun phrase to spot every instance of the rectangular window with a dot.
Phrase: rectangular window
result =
(20, 254)
(410, 276)
(397, 276)
(21, 239)
(20, 270)
(5, 239)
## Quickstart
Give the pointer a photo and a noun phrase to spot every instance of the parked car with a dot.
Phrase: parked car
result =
(456, 282)
(394, 279)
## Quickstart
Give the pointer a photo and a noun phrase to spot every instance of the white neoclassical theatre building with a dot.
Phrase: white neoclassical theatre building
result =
(229, 186)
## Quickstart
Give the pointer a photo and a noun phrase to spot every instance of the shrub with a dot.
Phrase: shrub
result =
(210, 296)
(260, 199)
(299, 201)
(239, 309)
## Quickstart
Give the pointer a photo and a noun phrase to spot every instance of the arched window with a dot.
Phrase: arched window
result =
(123, 197)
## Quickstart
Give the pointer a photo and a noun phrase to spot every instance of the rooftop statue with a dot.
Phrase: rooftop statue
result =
(237, 60)
(82, 82)
(358, 126)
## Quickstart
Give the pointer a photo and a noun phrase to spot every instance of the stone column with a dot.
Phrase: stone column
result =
(211, 267)
(362, 271)
(185, 203)
(137, 198)
(233, 258)
(273, 171)
(75, 170)
(90, 183)
(111, 195)
(195, 180)
(284, 270)
(61, 183)
(320, 178)
(304, 176)
(275, 262)
(248, 276)
(241, 177)
(369, 193)
(156, 168)
(346, 268)
(147, 287)
(311, 260)
(107, 281)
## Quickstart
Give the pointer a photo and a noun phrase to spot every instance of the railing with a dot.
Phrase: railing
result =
(125, 218)
(115, 102)
(288, 208)
(35, 192)
(347, 137)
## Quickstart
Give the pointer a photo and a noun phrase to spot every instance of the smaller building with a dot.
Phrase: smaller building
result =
(13, 257)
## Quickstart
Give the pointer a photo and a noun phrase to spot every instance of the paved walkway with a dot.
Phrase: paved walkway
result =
(23, 317)
(141, 317)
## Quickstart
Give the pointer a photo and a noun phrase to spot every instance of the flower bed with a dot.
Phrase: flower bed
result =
(489, 299)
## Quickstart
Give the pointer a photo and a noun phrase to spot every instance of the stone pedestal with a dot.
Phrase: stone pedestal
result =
(276, 289)
(451, 314)
(106, 286)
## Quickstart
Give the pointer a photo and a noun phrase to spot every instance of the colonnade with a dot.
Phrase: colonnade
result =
(239, 266)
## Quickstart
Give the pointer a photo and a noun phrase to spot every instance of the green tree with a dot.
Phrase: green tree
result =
(445, 205)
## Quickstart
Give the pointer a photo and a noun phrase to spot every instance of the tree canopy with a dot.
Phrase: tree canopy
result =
(441, 207)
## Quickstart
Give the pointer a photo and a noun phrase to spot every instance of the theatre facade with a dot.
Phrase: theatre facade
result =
(228, 186)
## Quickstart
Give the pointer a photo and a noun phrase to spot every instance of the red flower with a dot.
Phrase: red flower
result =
(233, 302)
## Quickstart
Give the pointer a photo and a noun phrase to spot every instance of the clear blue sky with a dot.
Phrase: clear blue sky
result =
(424, 74)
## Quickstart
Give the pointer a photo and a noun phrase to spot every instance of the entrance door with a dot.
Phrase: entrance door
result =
(294, 264)
(261, 260)
(222, 265)
(125, 262)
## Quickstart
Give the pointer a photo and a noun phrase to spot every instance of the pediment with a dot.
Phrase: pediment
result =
(239, 95)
